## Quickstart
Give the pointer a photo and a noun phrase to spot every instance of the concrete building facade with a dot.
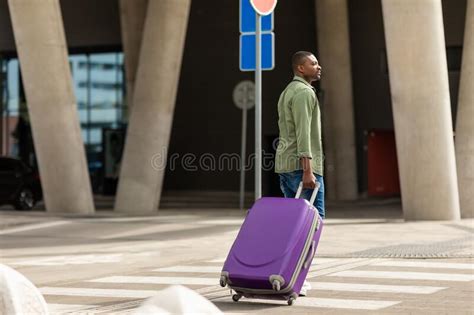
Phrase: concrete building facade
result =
(359, 95)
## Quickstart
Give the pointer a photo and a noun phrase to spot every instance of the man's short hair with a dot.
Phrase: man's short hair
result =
(299, 58)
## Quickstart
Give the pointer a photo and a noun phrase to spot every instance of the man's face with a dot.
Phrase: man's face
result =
(311, 69)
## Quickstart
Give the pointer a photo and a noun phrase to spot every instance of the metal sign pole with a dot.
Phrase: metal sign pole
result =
(258, 109)
(243, 95)
(242, 159)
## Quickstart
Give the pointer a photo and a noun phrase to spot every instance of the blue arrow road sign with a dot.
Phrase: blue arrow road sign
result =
(247, 51)
(248, 17)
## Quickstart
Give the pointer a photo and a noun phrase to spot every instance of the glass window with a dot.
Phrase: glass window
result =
(80, 78)
(98, 81)
(106, 82)
(99, 85)
(11, 106)
(13, 86)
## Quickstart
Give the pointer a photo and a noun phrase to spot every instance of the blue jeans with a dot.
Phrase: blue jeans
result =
(289, 183)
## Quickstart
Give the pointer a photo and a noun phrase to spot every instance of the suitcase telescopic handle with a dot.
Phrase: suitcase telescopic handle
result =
(313, 196)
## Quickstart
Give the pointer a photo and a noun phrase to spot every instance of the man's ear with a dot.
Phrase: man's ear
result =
(300, 68)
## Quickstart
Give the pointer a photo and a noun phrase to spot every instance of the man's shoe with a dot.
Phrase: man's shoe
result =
(304, 289)
(303, 292)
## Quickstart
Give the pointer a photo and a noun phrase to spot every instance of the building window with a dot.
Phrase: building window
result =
(98, 81)
(10, 85)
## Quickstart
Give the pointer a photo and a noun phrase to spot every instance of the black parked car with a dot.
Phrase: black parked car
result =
(20, 186)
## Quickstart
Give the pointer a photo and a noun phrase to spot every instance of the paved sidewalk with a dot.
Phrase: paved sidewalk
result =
(369, 260)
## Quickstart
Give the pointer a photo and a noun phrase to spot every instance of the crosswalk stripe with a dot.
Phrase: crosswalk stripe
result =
(112, 293)
(323, 260)
(316, 260)
(340, 267)
(377, 288)
(403, 275)
(345, 303)
(31, 227)
(322, 286)
(217, 260)
(158, 280)
(150, 230)
(159, 218)
(61, 308)
(324, 303)
(204, 291)
(319, 267)
(218, 269)
(70, 260)
(222, 222)
(116, 308)
(200, 269)
(354, 221)
(425, 264)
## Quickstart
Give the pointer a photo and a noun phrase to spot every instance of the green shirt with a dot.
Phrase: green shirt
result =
(299, 121)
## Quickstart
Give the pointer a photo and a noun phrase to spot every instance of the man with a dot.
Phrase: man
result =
(299, 155)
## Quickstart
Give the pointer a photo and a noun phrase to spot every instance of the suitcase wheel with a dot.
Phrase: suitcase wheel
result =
(236, 297)
(223, 281)
(291, 300)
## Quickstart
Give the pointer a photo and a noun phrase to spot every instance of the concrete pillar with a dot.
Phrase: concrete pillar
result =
(42, 51)
(421, 109)
(465, 120)
(132, 19)
(156, 85)
(334, 56)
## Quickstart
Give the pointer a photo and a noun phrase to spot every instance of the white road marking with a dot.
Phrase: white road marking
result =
(317, 263)
(222, 222)
(316, 260)
(404, 275)
(71, 260)
(323, 260)
(326, 265)
(425, 264)
(158, 280)
(190, 269)
(218, 260)
(63, 308)
(112, 293)
(151, 230)
(322, 286)
(376, 288)
(211, 289)
(217, 269)
(139, 219)
(116, 308)
(352, 263)
(358, 221)
(323, 303)
(31, 227)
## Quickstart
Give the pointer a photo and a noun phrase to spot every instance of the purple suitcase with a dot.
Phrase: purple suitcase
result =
(273, 251)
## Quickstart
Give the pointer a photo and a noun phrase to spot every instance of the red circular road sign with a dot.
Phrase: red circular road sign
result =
(263, 7)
